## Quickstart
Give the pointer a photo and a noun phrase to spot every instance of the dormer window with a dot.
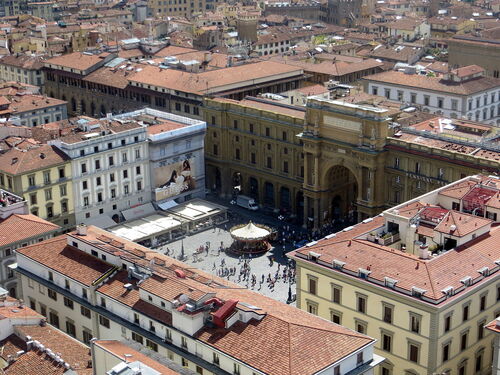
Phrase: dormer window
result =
(485, 271)
(364, 273)
(338, 264)
(448, 291)
(467, 281)
(389, 282)
(313, 256)
(417, 292)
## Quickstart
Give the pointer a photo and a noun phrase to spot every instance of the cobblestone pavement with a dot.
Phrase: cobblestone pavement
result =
(211, 262)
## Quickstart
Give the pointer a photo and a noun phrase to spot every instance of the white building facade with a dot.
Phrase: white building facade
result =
(110, 171)
(454, 98)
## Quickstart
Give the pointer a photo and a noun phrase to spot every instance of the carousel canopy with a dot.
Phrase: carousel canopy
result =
(250, 232)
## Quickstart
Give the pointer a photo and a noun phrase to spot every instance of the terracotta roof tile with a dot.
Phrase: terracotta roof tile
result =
(120, 350)
(32, 226)
(213, 80)
(57, 255)
(76, 60)
(493, 326)
(34, 362)
(468, 87)
(17, 162)
(460, 224)
(14, 311)
(431, 275)
(71, 350)
(11, 345)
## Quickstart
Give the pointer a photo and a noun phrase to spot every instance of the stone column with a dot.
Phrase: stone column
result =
(306, 211)
(371, 177)
(316, 171)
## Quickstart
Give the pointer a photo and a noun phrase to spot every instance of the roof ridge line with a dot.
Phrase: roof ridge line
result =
(430, 278)
(358, 335)
(28, 216)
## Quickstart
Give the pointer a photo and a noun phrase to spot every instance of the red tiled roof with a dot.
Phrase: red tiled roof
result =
(114, 288)
(467, 71)
(77, 60)
(11, 345)
(71, 350)
(430, 275)
(32, 226)
(460, 224)
(14, 311)
(165, 126)
(282, 352)
(17, 162)
(57, 255)
(34, 362)
(492, 326)
(212, 80)
(119, 350)
(468, 87)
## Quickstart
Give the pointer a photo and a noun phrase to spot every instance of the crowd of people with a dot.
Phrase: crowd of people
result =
(242, 274)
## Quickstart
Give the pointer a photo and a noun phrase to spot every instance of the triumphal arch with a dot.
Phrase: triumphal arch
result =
(344, 160)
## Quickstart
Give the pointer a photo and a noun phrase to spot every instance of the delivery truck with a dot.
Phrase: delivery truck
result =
(247, 202)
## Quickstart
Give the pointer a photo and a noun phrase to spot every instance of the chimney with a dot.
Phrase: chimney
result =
(423, 252)
(81, 230)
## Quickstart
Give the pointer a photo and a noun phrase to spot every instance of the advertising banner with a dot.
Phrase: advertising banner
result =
(174, 179)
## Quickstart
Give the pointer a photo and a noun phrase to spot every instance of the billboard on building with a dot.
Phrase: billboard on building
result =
(174, 179)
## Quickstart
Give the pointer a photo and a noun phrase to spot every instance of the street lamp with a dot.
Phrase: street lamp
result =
(182, 250)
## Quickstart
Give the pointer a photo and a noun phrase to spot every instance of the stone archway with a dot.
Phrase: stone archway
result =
(218, 180)
(339, 200)
(285, 204)
(268, 194)
(236, 184)
(299, 205)
(83, 107)
(253, 188)
(73, 105)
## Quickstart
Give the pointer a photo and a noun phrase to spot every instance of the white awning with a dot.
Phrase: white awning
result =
(167, 204)
(101, 221)
(138, 211)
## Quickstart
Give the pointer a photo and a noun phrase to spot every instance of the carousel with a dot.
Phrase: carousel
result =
(251, 239)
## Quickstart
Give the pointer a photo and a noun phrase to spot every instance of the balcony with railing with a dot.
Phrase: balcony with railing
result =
(11, 204)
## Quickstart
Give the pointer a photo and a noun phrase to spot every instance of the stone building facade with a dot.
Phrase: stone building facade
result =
(333, 159)
(251, 146)
(466, 50)
(343, 13)
(105, 84)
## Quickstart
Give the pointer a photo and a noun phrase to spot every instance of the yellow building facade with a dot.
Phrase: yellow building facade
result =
(333, 159)
(431, 337)
(427, 307)
(42, 176)
(252, 146)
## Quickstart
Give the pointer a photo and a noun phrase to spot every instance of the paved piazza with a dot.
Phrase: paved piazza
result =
(211, 262)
